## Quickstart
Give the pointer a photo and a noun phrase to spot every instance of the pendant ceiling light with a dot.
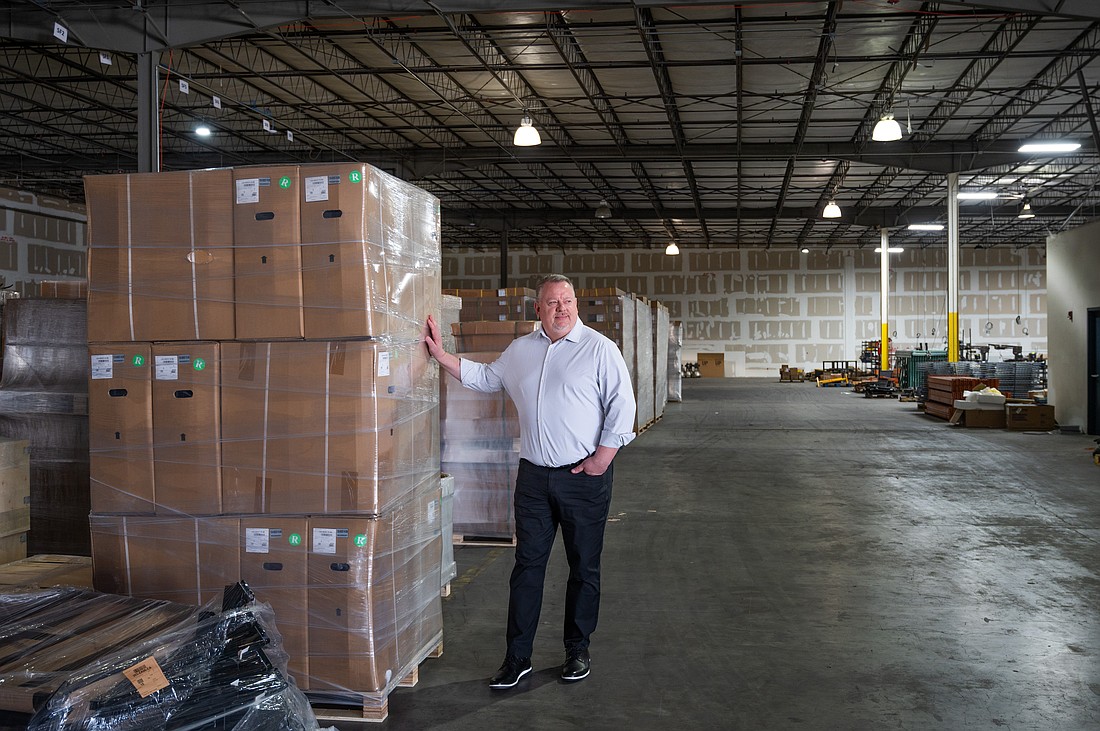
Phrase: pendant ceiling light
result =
(886, 129)
(1025, 211)
(603, 211)
(831, 211)
(672, 249)
(526, 135)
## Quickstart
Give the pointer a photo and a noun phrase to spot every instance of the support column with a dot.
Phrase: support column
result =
(953, 267)
(148, 123)
(884, 297)
(504, 258)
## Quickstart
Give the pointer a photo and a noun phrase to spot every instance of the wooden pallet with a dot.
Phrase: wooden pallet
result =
(465, 540)
(366, 707)
(445, 591)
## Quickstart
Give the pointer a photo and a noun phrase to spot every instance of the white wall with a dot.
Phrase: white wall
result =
(41, 238)
(766, 308)
(1073, 273)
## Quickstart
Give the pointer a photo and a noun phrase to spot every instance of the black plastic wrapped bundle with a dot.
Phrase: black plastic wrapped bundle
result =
(180, 667)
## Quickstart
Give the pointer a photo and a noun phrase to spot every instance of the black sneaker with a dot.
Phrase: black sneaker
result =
(577, 664)
(510, 672)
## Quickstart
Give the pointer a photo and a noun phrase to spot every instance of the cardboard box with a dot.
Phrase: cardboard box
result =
(325, 426)
(13, 547)
(186, 433)
(343, 261)
(160, 256)
(374, 604)
(1030, 417)
(15, 495)
(490, 335)
(120, 427)
(73, 289)
(273, 564)
(712, 365)
(983, 418)
(267, 254)
(181, 559)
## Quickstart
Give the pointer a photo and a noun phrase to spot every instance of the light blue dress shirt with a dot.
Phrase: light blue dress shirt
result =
(572, 395)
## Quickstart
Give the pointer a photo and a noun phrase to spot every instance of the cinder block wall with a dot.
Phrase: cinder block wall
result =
(766, 308)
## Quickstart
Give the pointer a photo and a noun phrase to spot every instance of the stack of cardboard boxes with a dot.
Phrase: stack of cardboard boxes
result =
(261, 406)
(480, 436)
(514, 303)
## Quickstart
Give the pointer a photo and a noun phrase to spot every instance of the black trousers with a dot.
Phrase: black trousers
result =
(548, 497)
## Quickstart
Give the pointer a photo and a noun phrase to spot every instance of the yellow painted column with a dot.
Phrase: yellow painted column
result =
(884, 296)
(953, 267)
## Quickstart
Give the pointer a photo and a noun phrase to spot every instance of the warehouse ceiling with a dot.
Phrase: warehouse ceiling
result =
(712, 125)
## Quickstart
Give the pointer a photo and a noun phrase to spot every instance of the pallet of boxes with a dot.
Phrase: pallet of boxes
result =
(480, 431)
(262, 408)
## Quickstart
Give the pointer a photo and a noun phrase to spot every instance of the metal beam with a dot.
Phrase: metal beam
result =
(141, 28)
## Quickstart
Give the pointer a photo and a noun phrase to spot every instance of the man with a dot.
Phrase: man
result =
(576, 409)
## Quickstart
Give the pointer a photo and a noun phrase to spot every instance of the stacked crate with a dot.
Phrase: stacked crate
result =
(262, 407)
(943, 391)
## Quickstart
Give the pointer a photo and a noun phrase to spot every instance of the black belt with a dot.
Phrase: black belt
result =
(563, 467)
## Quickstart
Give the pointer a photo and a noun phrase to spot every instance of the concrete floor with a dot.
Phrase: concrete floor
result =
(785, 556)
(782, 556)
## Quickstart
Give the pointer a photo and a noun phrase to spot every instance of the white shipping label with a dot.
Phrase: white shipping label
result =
(103, 366)
(324, 541)
(383, 363)
(248, 190)
(316, 188)
(257, 540)
(167, 367)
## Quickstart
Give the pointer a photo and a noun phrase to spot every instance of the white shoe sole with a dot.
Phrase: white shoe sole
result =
(510, 685)
(575, 678)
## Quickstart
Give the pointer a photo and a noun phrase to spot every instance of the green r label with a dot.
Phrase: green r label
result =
(360, 540)
(355, 176)
(138, 361)
(199, 364)
(294, 539)
(284, 182)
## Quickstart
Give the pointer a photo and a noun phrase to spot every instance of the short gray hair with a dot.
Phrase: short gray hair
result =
(552, 279)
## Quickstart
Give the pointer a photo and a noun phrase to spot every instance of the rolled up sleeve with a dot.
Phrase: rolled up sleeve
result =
(482, 377)
(619, 404)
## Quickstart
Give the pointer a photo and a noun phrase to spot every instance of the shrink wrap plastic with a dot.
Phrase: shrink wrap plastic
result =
(78, 659)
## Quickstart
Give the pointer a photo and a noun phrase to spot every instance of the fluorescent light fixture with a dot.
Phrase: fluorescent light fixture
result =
(1026, 212)
(672, 249)
(1050, 147)
(978, 196)
(926, 227)
(891, 250)
(603, 211)
(202, 130)
(886, 129)
(831, 211)
(526, 135)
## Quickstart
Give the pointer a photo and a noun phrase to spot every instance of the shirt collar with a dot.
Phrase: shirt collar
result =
(573, 335)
